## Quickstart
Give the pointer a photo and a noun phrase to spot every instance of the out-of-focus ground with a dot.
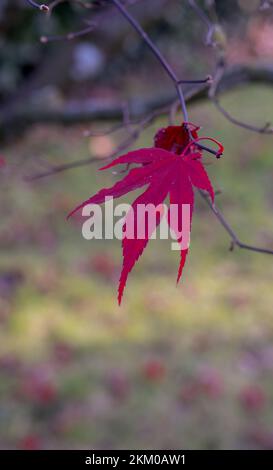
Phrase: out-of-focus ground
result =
(174, 367)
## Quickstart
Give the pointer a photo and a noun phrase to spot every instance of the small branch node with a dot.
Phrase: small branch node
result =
(44, 8)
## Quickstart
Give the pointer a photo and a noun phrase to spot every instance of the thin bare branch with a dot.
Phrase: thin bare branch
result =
(213, 95)
(60, 168)
(208, 79)
(41, 7)
(69, 36)
(199, 11)
(55, 3)
(235, 241)
(211, 25)
(157, 53)
(125, 144)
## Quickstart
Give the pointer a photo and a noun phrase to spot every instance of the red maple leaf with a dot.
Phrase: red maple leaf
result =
(172, 167)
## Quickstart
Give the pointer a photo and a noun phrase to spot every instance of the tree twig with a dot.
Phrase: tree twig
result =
(213, 95)
(41, 7)
(157, 53)
(69, 36)
(235, 241)
(125, 144)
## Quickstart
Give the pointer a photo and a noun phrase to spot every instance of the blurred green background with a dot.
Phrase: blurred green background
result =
(174, 367)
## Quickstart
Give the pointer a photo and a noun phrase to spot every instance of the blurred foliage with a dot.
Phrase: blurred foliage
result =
(174, 367)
